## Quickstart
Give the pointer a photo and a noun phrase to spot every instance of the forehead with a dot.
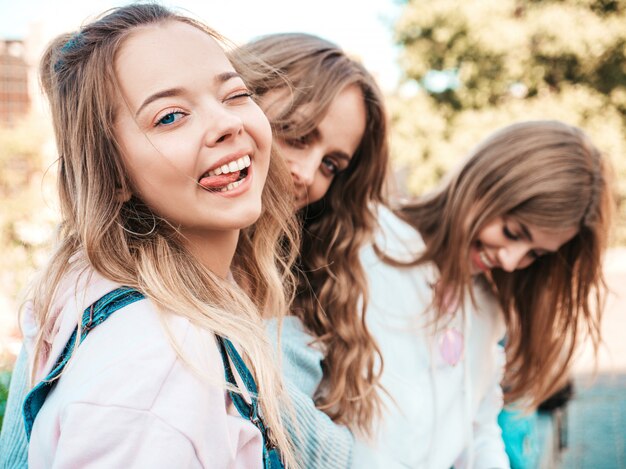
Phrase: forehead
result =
(551, 240)
(166, 55)
(345, 120)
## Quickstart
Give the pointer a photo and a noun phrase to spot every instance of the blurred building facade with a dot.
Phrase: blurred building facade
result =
(14, 83)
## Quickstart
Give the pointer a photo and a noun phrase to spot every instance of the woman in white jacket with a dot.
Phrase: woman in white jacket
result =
(439, 399)
(512, 242)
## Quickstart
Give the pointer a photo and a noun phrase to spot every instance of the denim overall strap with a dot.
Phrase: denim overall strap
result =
(271, 455)
(94, 315)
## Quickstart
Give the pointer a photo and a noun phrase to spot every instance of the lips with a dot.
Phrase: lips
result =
(233, 166)
(480, 259)
(226, 176)
(485, 260)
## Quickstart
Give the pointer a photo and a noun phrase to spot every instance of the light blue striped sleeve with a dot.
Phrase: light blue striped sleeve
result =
(320, 443)
(13, 442)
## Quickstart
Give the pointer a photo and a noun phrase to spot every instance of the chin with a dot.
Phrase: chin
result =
(249, 216)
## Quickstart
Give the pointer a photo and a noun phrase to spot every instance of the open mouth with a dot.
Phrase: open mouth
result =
(226, 177)
(485, 260)
(480, 258)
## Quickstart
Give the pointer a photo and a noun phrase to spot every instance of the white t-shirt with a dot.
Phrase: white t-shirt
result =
(438, 415)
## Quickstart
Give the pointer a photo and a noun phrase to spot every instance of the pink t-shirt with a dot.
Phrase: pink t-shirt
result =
(126, 399)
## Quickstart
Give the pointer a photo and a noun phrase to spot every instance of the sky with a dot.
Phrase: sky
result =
(361, 27)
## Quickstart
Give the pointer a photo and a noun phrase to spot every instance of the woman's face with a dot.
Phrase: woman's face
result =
(314, 159)
(508, 244)
(196, 146)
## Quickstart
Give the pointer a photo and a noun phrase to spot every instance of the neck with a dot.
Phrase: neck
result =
(214, 250)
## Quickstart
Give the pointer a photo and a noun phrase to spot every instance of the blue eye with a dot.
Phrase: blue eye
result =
(170, 118)
(330, 167)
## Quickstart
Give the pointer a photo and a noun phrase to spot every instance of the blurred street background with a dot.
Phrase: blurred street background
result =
(452, 71)
(593, 427)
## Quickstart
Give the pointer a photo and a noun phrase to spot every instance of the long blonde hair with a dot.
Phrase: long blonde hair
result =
(550, 175)
(127, 242)
(332, 291)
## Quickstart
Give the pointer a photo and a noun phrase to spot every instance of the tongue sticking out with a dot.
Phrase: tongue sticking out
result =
(217, 182)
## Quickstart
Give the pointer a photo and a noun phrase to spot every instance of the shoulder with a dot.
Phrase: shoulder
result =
(401, 242)
(395, 233)
(132, 355)
(128, 358)
(398, 295)
(301, 358)
(393, 237)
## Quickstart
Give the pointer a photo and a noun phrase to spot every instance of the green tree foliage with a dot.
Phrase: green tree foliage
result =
(5, 379)
(28, 214)
(506, 61)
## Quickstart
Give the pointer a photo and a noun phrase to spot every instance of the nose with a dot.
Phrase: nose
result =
(303, 170)
(510, 257)
(222, 125)
(301, 176)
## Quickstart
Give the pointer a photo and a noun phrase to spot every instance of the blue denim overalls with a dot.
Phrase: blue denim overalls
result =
(97, 313)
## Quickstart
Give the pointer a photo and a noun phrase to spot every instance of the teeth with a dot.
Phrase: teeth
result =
(485, 260)
(236, 165)
(230, 186)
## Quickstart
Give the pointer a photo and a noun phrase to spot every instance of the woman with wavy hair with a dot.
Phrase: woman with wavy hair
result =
(510, 243)
(329, 123)
(144, 349)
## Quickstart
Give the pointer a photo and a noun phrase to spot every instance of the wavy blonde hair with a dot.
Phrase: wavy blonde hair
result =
(332, 290)
(550, 175)
(79, 80)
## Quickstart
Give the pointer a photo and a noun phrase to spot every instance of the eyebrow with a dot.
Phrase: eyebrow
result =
(168, 93)
(342, 156)
(161, 94)
(224, 77)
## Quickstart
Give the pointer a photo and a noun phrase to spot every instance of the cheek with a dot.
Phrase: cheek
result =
(154, 171)
(157, 167)
(259, 128)
(525, 263)
(138, 153)
(491, 235)
(319, 188)
(130, 158)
